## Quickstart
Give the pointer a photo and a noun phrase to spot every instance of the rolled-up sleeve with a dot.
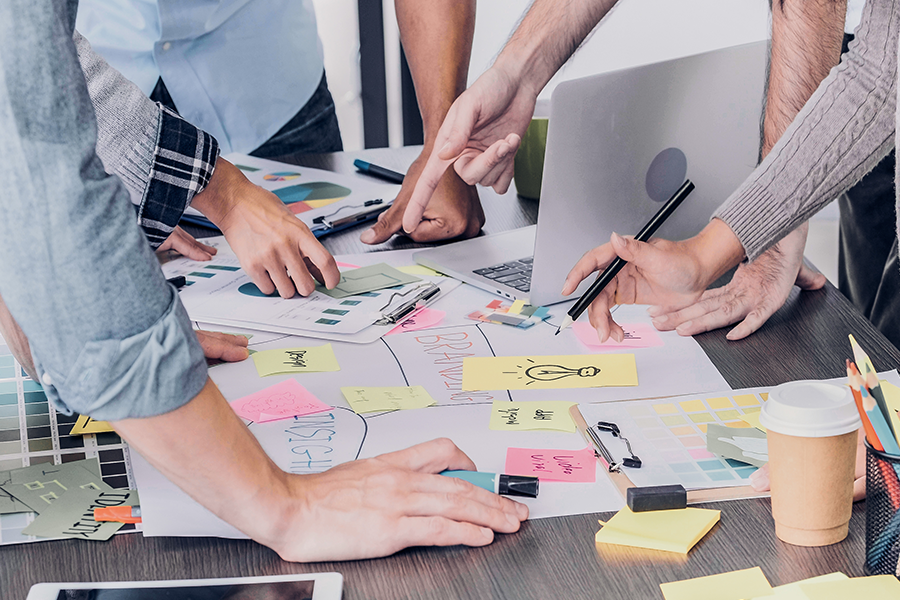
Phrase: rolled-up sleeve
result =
(109, 336)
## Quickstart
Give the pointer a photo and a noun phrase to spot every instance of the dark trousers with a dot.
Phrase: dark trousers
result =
(868, 265)
(313, 130)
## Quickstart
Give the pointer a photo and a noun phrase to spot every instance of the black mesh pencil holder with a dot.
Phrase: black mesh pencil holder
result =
(882, 512)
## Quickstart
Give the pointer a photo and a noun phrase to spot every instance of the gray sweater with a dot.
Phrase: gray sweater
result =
(842, 132)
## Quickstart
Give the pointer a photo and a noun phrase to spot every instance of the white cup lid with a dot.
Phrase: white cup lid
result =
(810, 409)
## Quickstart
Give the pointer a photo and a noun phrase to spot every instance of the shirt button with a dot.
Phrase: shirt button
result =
(167, 46)
(46, 379)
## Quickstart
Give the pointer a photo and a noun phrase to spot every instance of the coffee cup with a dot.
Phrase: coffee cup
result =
(528, 165)
(812, 437)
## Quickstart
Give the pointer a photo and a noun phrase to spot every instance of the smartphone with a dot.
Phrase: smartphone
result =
(310, 586)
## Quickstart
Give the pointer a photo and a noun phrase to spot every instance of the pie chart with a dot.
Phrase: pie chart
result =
(306, 196)
(281, 176)
(250, 289)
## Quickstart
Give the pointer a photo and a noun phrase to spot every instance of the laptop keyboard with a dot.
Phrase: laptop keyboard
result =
(515, 274)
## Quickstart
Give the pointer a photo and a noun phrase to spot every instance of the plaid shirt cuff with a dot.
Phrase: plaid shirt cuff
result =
(183, 164)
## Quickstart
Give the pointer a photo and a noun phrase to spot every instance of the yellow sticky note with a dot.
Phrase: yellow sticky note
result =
(752, 419)
(525, 416)
(85, 424)
(548, 372)
(892, 399)
(295, 360)
(516, 307)
(419, 270)
(792, 591)
(877, 587)
(736, 585)
(379, 399)
(669, 530)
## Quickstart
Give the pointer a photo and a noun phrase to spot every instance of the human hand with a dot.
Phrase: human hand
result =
(756, 291)
(479, 136)
(759, 479)
(274, 247)
(223, 346)
(378, 506)
(186, 245)
(454, 209)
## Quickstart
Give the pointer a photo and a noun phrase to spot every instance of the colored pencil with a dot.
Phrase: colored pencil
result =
(877, 418)
(857, 397)
(867, 370)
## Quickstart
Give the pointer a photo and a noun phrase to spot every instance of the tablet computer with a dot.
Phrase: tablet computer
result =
(310, 586)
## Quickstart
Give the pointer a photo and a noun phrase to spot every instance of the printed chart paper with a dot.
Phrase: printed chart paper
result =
(549, 372)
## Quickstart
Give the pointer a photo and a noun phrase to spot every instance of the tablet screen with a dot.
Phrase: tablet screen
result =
(282, 590)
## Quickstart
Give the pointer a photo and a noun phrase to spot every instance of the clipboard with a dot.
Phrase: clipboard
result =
(622, 482)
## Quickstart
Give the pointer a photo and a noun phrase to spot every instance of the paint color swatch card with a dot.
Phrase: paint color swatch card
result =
(380, 399)
(669, 530)
(72, 515)
(548, 372)
(573, 466)
(281, 401)
(368, 279)
(530, 416)
(637, 335)
(736, 585)
(283, 361)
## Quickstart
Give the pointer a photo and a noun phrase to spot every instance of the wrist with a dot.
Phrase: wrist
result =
(220, 197)
(716, 249)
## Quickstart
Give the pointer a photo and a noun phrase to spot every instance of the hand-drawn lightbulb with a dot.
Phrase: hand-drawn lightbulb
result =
(557, 372)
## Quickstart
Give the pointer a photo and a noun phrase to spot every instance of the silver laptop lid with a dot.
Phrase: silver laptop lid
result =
(619, 144)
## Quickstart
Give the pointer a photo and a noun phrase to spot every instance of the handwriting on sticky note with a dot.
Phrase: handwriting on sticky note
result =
(283, 361)
(574, 466)
(526, 416)
(423, 319)
(280, 401)
(548, 372)
(748, 583)
(637, 335)
(380, 399)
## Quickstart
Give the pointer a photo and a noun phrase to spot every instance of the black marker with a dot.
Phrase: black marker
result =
(379, 172)
(179, 282)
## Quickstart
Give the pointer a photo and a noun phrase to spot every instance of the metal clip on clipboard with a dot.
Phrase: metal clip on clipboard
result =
(600, 448)
(367, 211)
(423, 295)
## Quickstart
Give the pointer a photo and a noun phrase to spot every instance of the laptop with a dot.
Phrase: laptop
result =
(619, 144)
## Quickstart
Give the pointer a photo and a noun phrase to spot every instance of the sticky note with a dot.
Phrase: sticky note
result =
(574, 466)
(379, 399)
(548, 372)
(39, 486)
(73, 515)
(419, 270)
(793, 591)
(282, 361)
(877, 587)
(516, 307)
(752, 419)
(637, 335)
(527, 416)
(85, 424)
(669, 530)
(280, 401)
(736, 585)
(892, 399)
(423, 319)
(368, 279)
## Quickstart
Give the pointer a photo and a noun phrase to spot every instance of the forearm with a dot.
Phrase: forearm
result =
(548, 35)
(437, 39)
(806, 45)
(205, 449)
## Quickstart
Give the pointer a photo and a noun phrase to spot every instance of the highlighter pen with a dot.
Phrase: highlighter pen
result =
(615, 266)
(379, 172)
(508, 485)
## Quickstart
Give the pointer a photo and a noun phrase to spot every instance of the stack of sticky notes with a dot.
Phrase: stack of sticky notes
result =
(669, 530)
(752, 583)
(736, 585)
(518, 314)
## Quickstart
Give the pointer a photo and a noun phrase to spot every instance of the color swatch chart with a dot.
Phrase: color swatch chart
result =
(669, 435)
(32, 432)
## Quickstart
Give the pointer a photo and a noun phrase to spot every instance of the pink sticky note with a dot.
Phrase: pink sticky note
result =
(574, 466)
(341, 265)
(425, 318)
(637, 335)
(281, 401)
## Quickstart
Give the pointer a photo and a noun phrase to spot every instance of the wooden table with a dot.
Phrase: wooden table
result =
(548, 558)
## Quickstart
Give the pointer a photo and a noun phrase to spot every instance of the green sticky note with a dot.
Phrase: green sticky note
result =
(283, 361)
(39, 486)
(72, 514)
(379, 399)
(368, 279)
(526, 416)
